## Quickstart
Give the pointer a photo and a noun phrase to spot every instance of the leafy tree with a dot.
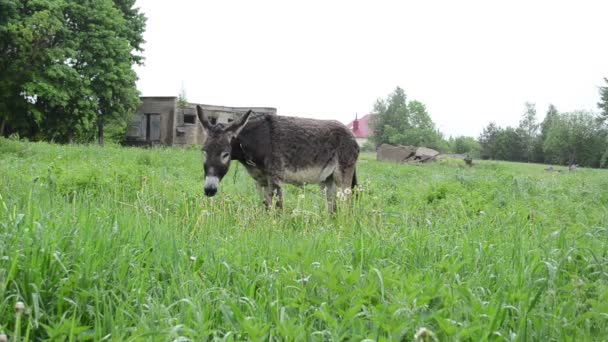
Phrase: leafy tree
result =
(104, 58)
(69, 66)
(603, 104)
(31, 35)
(392, 118)
(466, 145)
(405, 123)
(182, 99)
(527, 130)
(575, 138)
(604, 159)
(539, 155)
(135, 25)
(487, 140)
(422, 130)
(509, 145)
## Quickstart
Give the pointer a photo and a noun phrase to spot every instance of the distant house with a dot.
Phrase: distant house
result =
(361, 128)
(162, 121)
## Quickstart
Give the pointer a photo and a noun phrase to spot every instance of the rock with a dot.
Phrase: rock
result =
(573, 168)
(468, 160)
(405, 154)
(397, 154)
(425, 154)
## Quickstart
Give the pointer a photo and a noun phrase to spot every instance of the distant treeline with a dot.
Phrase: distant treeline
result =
(579, 137)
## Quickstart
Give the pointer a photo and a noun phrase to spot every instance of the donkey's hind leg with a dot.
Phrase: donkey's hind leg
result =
(329, 187)
(345, 181)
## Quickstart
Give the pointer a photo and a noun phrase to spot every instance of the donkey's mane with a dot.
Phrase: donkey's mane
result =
(221, 127)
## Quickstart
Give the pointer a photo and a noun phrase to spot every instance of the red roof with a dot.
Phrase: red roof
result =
(361, 127)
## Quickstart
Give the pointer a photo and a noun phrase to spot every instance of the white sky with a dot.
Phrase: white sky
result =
(470, 62)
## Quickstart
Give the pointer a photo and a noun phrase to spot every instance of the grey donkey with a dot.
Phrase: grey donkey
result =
(280, 149)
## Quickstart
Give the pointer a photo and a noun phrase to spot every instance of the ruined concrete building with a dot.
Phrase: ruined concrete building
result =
(164, 121)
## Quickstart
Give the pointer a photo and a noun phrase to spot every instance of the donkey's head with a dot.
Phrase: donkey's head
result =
(218, 148)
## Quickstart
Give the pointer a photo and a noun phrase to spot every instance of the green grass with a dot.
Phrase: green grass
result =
(120, 244)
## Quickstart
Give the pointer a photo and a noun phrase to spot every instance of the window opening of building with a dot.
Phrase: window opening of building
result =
(189, 119)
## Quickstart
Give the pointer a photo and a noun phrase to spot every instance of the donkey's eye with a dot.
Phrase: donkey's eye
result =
(225, 157)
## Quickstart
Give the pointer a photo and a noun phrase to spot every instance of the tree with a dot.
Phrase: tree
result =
(603, 104)
(107, 39)
(69, 66)
(392, 117)
(422, 130)
(135, 25)
(527, 131)
(182, 99)
(575, 138)
(539, 155)
(487, 140)
(402, 122)
(509, 145)
(466, 145)
(31, 37)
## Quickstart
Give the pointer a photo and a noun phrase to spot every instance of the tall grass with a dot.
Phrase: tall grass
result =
(119, 244)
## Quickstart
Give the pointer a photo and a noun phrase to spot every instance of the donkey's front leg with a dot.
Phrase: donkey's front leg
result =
(264, 193)
(273, 189)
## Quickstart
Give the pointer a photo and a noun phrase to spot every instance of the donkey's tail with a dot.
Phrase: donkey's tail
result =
(354, 182)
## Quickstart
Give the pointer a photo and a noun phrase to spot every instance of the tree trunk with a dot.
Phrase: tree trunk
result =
(100, 132)
(2, 125)
(572, 157)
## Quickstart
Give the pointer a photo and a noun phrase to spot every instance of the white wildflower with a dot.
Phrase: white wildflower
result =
(19, 307)
(424, 334)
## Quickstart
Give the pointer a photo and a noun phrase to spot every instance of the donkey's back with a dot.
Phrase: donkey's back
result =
(310, 151)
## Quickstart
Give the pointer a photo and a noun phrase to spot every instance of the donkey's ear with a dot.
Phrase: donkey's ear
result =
(203, 118)
(238, 124)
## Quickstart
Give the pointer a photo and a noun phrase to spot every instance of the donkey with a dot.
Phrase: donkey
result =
(280, 149)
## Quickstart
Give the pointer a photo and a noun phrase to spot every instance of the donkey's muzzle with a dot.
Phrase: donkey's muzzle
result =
(211, 183)
(210, 192)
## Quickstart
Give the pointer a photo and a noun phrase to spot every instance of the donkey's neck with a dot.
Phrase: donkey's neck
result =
(237, 151)
(240, 154)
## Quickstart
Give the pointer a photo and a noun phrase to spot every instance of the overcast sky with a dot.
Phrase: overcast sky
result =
(470, 62)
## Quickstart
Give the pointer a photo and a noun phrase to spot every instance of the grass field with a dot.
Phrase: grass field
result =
(120, 244)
